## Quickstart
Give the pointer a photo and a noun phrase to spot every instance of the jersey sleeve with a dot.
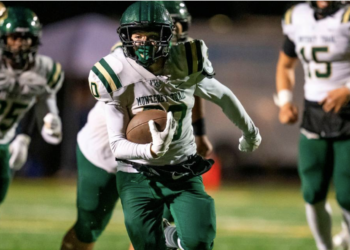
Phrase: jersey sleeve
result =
(104, 79)
(287, 23)
(214, 91)
(55, 76)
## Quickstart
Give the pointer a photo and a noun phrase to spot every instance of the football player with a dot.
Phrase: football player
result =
(318, 34)
(148, 73)
(95, 158)
(25, 79)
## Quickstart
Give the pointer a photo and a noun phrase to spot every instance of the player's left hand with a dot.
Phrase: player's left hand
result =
(336, 99)
(204, 146)
(249, 143)
(52, 129)
(19, 151)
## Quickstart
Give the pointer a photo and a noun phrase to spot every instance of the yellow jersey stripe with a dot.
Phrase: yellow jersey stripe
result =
(104, 72)
(346, 16)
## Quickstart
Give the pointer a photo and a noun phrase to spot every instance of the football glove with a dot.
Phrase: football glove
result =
(7, 80)
(19, 151)
(249, 143)
(162, 140)
(52, 129)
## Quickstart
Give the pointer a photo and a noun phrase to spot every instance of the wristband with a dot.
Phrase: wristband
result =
(199, 127)
(283, 97)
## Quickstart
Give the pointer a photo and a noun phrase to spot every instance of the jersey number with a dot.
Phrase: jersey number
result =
(93, 89)
(11, 115)
(328, 65)
(179, 112)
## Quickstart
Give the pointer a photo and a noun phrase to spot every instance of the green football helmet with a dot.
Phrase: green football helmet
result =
(333, 6)
(179, 13)
(24, 23)
(146, 16)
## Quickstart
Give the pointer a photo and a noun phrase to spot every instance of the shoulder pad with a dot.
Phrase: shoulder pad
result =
(346, 16)
(117, 45)
(104, 79)
(54, 72)
(287, 17)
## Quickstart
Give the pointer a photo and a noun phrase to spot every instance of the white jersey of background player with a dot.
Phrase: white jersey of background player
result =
(323, 47)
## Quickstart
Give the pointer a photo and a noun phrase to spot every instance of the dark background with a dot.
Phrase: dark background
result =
(54, 11)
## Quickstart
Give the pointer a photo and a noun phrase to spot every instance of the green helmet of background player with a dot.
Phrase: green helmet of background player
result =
(146, 16)
(179, 13)
(24, 23)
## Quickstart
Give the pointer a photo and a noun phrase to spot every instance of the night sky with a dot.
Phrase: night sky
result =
(49, 12)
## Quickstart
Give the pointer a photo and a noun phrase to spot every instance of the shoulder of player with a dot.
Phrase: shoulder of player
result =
(50, 69)
(194, 52)
(296, 13)
(107, 70)
(116, 46)
(345, 16)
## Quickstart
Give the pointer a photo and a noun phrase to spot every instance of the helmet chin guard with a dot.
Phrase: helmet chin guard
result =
(146, 16)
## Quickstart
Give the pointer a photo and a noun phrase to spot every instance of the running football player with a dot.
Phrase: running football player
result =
(25, 79)
(148, 73)
(318, 34)
(94, 157)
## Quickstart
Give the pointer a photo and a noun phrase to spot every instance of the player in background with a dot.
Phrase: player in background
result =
(147, 72)
(318, 34)
(98, 196)
(25, 79)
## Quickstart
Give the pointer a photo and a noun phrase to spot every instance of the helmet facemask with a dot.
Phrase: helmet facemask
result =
(22, 56)
(333, 6)
(147, 52)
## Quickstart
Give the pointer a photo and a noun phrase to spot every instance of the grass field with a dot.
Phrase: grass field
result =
(36, 214)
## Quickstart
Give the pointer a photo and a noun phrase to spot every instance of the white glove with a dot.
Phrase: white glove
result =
(162, 140)
(249, 143)
(19, 151)
(52, 129)
(7, 80)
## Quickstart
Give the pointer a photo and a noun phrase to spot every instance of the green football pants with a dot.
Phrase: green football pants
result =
(97, 196)
(5, 173)
(143, 201)
(319, 161)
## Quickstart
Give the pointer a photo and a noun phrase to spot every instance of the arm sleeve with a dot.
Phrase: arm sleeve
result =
(117, 119)
(27, 124)
(289, 47)
(45, 104)
(212, 90)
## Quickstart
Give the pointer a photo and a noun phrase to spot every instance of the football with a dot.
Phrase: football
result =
(138, 130)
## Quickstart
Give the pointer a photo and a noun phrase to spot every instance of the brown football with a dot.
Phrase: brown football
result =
(138, 129)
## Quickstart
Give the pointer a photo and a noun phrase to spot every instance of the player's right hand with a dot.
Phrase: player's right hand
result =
(19, 151)
(288, 114)
(162, 140)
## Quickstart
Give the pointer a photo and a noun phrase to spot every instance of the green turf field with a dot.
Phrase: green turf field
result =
(37, 213)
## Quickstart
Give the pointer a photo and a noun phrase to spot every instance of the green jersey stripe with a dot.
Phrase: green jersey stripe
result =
(52, 73)
(111, 73)
(189, 58)
(102, 78)
(199, 56)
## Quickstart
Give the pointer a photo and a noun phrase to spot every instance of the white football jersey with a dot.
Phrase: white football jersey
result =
(19, 90)
(93, 140)
(128, 88)
(323, 47)
(118, 80)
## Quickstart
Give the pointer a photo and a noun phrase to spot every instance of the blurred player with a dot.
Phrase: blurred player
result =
(318, 33)
(95, 158)
(166, 171)
(25, 79)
